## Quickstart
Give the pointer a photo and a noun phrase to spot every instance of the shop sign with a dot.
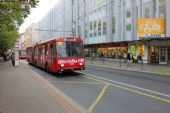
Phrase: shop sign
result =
(151, 27)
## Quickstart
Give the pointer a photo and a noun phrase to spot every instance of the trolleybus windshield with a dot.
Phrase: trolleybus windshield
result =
(22, 52)
(69, 49)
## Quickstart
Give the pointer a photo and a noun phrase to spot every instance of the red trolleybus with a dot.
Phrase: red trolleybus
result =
(60, 54)
(30, 55)
(22, 54)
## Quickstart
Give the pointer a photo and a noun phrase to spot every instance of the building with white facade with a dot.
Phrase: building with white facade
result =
(34, 33)
(30, 36)
(113, 27)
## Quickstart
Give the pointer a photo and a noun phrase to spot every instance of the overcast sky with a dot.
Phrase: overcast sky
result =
(37, 13)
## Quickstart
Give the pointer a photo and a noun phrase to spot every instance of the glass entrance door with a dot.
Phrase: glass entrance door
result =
(154, 54)
(163, 52)
(169, 55)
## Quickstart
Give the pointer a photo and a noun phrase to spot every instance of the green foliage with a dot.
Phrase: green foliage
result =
(12, 14)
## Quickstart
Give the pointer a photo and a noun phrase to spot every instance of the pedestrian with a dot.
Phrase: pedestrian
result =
(132, 58)
(13, 59)
(140, 55)
(102, 56)
(125, 56)
(129, 58)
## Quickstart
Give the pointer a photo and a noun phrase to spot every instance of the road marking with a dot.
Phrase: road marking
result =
(70, 105)
(72, 82)
(48, 79)
(128, 89)
(155, 92)
(99, 97)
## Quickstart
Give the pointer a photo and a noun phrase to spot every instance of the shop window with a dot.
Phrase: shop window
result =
(141, 49)
(87, 52)
(163, 54)
(101, 51)
(111, 52)
(154, 55)
(93, 52)
(133, 49)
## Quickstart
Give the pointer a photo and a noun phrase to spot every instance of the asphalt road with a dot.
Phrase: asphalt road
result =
(103, 90)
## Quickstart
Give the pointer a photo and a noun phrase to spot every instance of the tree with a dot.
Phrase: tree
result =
(12, 14)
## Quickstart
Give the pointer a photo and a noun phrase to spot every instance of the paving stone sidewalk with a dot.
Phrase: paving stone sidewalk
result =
(20, 93)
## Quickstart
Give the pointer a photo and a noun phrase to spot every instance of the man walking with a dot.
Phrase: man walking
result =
(13, 59)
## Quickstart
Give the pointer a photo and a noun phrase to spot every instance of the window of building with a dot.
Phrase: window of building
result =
(91, 26)
(91, 29)
(162, 8)
(146, 10)
(104, 26)
(113, 24)
(99, 27)
(128, 19)
(86, 31)
(95, 28)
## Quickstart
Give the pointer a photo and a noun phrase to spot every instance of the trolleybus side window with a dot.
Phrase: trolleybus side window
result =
(46, 49)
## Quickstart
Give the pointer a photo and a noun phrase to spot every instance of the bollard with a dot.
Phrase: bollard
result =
(120, 63)
(103, 60)
(91, 59)
(141, 64)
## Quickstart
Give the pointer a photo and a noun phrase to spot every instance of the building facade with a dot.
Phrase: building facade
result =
(112, 27)
(30, 36)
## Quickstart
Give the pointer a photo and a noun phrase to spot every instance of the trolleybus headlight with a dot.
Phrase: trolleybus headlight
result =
(81, 64)
(62, 65)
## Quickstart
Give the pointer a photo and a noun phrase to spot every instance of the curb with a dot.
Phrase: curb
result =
(132, 70)
(65, 101)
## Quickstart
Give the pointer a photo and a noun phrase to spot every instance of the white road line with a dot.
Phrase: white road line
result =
(113, 81)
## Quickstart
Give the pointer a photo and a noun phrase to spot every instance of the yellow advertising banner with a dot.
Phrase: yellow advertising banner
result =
(151, 27)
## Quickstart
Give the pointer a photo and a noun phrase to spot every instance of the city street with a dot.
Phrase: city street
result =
(85, 56)
(103, 90)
